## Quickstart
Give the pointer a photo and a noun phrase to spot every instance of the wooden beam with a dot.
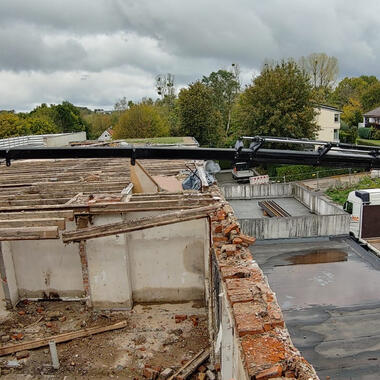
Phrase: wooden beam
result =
(11, 223)
(67, 214)
(29, 233)
(138, 224)
(10, 349)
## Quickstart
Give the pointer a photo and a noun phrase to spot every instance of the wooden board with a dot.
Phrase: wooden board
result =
(11, 223)
(29, 233)
(9, 349)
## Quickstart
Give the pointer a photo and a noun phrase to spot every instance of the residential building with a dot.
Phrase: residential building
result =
(328, 120)
(372, 118)
(106, 135)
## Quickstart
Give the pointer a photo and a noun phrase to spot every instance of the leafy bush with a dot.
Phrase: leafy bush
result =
(339, 194)
(375, 134)
(364, 133)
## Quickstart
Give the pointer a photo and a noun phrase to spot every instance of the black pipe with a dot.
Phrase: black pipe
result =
(269, 156)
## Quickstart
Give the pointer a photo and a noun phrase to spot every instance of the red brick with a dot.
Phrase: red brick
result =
(261, 351)
(221, 215)
(256, 274)
(248, 324)
(218, 228)
(230, 227)
(234, 272)
(180, 318)
(219, 238)
(290, 374)
(269, 373)
(239, 283)
(247, 239)
(237, 240)
(150, 373)
(240, 295)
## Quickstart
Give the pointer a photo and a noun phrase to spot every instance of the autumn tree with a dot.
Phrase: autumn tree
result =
(322, 69)
(11, 125)
(141, 121)
(278, 103)
(371, 97)
(197, 115)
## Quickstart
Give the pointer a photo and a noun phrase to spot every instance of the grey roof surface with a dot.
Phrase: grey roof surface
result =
(373, 113)
(331, 309)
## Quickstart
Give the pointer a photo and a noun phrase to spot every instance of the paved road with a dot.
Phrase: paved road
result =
(329, 290)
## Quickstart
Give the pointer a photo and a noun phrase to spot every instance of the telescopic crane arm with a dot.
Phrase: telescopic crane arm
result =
(320, 153)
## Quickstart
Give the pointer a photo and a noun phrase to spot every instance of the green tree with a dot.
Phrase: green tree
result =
(98, 123)
(11, 125)
(141, 121)
(40, 126)
(67, 118)
(279, 103)
(352, 112)
(225, 87)
(197, 115)
(371, 97)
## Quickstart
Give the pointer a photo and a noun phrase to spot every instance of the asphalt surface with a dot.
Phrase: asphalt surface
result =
(329, 291)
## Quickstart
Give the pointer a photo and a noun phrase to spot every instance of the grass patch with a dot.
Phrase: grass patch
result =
(368, 142)
(157, 140)
(339, 194)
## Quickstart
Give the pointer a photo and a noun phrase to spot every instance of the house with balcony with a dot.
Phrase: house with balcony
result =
(328, 120)
(372, 118)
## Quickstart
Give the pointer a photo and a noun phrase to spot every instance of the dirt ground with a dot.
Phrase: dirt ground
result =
(153, 337)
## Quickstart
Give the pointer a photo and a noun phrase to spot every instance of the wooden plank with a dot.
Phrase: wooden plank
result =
(29, 233)
(60, 338)
(138, 224)
(195, 362)
(67, 214)
(11, 223)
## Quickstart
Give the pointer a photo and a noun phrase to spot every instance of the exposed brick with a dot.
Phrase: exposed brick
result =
(290, 374)
(247, 239)
(219, 238)
(229, 228)
(237, 240)
(180, 318)
(261, 351)
(248, 324)
(228, 248)
(235, 272)
(150, 373)
(221, 215)
(218, 228)
(239, 283)
(270, 373)
(240, 295)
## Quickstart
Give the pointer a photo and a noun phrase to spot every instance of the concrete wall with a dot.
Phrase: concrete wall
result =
(168, 262)
(316, 202)
(64, 139)
(47, 267)
(296, 227)
(329, 219)
(8, 275)
(257, 191)
(108, 267)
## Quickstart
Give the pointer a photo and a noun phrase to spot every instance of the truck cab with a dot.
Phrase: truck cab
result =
(354, 206)
(241, 172)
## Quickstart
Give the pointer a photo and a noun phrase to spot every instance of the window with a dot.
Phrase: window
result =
(336, 118)
(336, 134)
(348, 207)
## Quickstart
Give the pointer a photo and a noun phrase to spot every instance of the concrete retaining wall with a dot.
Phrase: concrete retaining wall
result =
(257, 191)
(296, 227)
(316, 202)
(328, 218)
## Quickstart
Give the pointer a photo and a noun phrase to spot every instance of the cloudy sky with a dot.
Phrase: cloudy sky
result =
(93, 52)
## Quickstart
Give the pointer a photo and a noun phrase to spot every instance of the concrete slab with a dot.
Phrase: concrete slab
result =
(250, 209)
(329, 292)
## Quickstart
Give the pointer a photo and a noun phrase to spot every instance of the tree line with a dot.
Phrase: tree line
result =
(216, 109)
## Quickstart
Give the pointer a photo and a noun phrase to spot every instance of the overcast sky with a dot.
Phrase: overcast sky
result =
(93, 52)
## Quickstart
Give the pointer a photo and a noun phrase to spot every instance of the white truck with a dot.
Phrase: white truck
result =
(364, 207)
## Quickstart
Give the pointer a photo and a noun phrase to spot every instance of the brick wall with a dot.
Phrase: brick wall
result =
(263, 343)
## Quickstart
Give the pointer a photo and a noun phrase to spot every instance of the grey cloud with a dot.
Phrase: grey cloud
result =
(108, 39)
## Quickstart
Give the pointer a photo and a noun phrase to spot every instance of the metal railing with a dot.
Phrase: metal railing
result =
(12, 142)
